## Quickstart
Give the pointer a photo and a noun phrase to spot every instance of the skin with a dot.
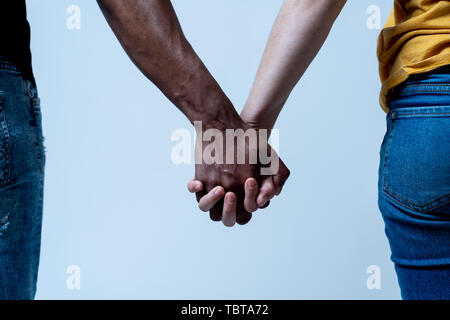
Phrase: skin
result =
(299, 32)
(151, 35)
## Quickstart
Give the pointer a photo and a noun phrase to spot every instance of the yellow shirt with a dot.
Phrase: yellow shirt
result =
(416, 39)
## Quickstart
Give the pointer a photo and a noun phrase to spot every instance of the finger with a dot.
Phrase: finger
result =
(195, 186)
(281, 177)
(215, 214)
(208, 201)
(251, 192)
(229, 210)
(266, 192)
(242, 216)
(266, 205)
(199, 195)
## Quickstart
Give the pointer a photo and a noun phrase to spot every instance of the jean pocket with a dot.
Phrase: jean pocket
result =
(416, 172)
(4, 144)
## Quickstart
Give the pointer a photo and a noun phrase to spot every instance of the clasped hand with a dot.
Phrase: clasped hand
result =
(231, 192)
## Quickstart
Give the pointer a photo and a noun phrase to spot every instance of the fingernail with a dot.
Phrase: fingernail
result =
(230, 199)
(252, 184)
(218, 191)
(198, 185)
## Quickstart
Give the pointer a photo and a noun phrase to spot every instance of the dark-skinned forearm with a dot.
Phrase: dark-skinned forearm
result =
(150, 33)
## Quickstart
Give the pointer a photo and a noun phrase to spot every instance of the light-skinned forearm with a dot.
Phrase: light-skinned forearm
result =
(150, 33)
(299, 32)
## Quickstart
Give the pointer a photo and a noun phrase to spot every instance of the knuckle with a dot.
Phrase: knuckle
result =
(278, 191)
(269, 192)
(265, 205)
(242, 219)
(287, 173)
(214, 216)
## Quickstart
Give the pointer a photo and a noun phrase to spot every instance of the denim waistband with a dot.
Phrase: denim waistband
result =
(8, 66)
(421, 90)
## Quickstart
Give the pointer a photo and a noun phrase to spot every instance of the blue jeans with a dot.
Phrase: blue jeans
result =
(22, 161)
(414, 184)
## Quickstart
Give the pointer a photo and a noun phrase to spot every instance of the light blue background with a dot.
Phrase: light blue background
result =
(118, 207)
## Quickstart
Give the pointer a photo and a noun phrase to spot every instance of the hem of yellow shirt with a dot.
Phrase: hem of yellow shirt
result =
(402, 75)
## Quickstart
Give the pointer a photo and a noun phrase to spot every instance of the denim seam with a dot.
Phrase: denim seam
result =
(37, 123)
(429, 84)
(386, 152)
(9, 67)
(5, 138)
(419, 85)
(419, 263)
(439, 202)
(411, 111)
(418, 90)
(412, 114)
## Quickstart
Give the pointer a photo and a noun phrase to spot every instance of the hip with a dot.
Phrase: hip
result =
(21, 141)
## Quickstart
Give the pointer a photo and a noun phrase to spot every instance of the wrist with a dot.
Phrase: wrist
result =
(257, 121)
(204, 101)
(222, 115)
(262, 110)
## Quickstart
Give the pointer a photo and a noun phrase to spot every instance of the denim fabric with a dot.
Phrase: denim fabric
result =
(22, 161)
(414, 184)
